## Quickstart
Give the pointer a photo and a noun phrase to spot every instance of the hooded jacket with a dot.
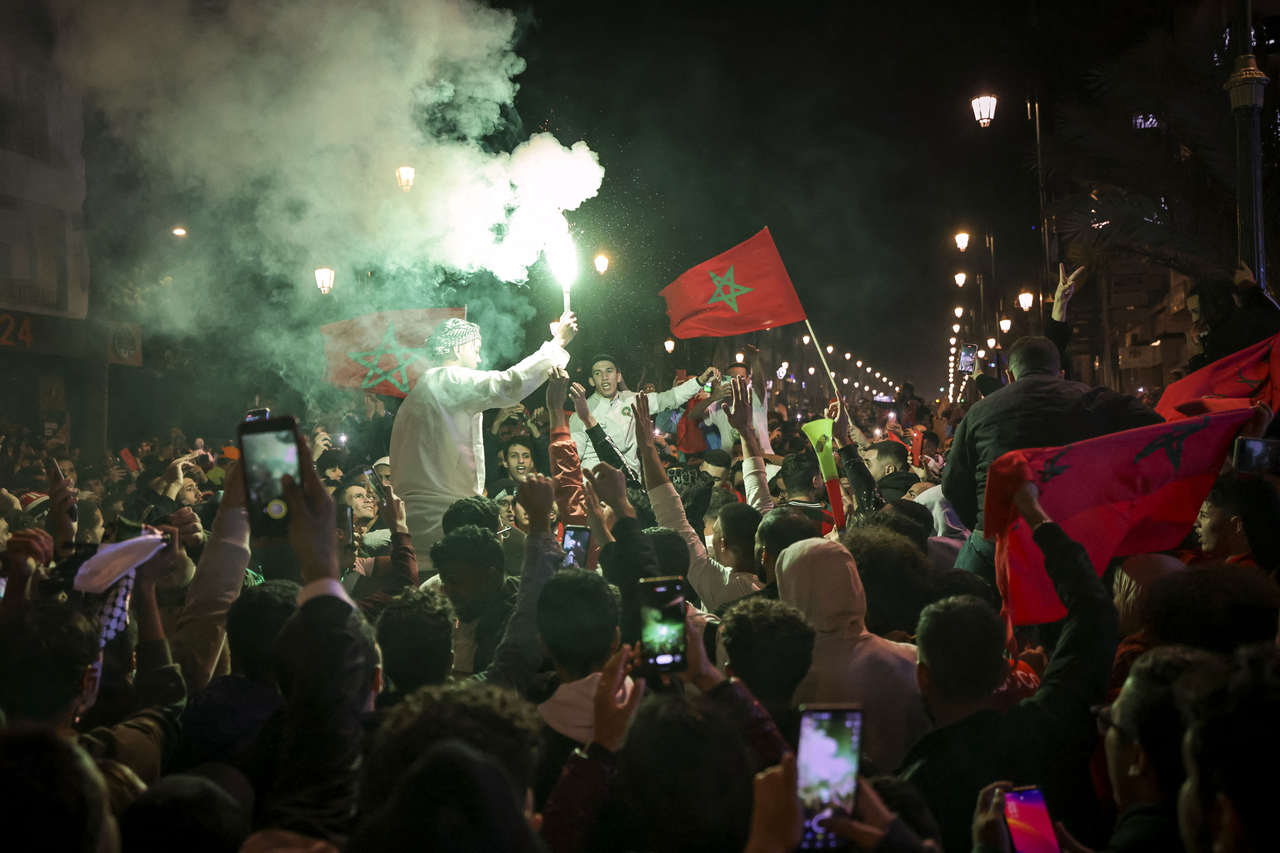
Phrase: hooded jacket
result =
(850, 664)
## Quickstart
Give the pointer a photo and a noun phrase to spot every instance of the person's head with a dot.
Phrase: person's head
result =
(672, 551)
(779, 528)
(1142, 729)
(737, 370)
(47, 658)
(91, 526)
(490, 719)
(455, 342)
(930, 444)
(1131, 587)
(606, 378)
(800, 476)
(475, 510)
(1230, 746)
(887, 457)
(684, 779)
(503, 495)
(55, 798)
(720, 498)
(254, 620)
(1238, 517)
(895, 576)
(382, 470)
(733, 535)
(716, 463)
(954, 582)
(1034, 355)
(186, 807)
(364, 506)
(472, 568)
(578, 621)
(189, 494)
(516, 457)
(1218, 607)
(415, 631)
(330, 463)
(770, 647)
(909, 518)
(960, 647)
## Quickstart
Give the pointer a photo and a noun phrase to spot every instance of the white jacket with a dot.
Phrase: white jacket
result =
(614, 414)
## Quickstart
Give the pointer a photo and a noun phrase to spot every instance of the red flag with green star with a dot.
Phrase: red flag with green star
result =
(742, 290)
(381, 352)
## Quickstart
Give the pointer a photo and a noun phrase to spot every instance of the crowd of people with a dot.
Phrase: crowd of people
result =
(433, 659)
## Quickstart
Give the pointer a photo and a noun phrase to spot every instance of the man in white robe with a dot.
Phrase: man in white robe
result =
(437, 449)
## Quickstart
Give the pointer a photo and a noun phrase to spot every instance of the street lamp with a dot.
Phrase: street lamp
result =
(955, 327)
(848, 356)
(960, 279)
(739, 357)
(959, 312)
(984, 109)
(404, 177)
(602, 263)
(1026, 299)
(806, 340)
(830, 349)
(669, 345)
(810, 371)
(991, 343)
(962, 240)
(324, 279)
(1005, 325)
(858, 362)
(982, 353)
(951, 340)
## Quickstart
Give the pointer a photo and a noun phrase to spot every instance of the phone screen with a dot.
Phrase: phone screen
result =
(968, 353)
(1257, 456)
(827, 769)
(1028, 819)
(267, 455)
(575, 544)
(662, 623)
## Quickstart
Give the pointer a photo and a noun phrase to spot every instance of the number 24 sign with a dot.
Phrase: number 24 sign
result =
(15, 333)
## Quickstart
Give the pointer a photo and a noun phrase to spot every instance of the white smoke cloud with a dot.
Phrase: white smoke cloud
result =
(309, 106)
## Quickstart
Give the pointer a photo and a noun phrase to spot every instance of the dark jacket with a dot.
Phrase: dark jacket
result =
(1044, 740)
(1147, 828)
(1036, 411)
(493, 623)
(893, 487)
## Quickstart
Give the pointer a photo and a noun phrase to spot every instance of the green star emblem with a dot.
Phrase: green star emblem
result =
(727, 290)
(371, 360)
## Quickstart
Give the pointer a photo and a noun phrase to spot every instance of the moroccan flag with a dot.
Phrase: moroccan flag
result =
(1232, 382)
(1126, 493)
(381, 352)
(742, 290)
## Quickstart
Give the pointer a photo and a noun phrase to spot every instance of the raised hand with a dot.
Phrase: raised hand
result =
(739, 412)
(609, 484)
(613, 717)
(392, 511)
(557, 386)
(537, 494)
(777, 819)
(313, 524)
(564, 329)
(190, 530)
(707, 375)
(644, 421)
(164, 561)
(578, 395)
(1066, 289)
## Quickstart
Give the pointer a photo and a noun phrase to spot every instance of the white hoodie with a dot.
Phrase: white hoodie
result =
(850, 664)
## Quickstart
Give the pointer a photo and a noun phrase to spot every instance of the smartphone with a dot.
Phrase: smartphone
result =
(575, 542)
(255, 415)
(268, 451)
(827, 764)
(73, 512)
(1027, 817)
(968, 353)
(346, 524)
(127, 457)
(375, 485)
(662, 633)
(1257, 455)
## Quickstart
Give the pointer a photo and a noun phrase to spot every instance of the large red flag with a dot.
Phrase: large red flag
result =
(1252, 374)
(1129, 492)
(381, 352)
(742, 290)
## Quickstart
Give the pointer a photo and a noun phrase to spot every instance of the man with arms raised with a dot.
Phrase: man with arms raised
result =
(611, 405)
(437, 449)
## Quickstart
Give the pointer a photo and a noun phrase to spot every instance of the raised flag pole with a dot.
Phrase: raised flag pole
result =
(822, 356)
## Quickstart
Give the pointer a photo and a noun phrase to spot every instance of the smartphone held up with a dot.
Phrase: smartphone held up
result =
(268, 451)
(827, 765)
(662, 629)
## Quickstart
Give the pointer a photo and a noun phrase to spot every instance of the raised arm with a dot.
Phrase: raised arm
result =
(682, 393)
(477, 390)
(755, 479)
(562, 450)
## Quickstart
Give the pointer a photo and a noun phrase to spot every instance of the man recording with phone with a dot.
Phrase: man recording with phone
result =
(437, 446)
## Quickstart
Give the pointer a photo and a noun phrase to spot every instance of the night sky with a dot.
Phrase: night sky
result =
(844, 127)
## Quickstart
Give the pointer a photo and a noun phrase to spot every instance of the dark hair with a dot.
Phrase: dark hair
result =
(415, 631)
(672, 550)
(718, 458)
(1150, 712)
(1217, 607)
(331, 458)
(1235, 735)
(770, 646)
(961, 639)
(254, 620)
(720, 498)
(893, 451)
(1257, 503)
(469, 545)
(476, 510)
(738, 523)
(53, 795)
(697, 500)
(798, 470)
(684, 780)
(43, 655)
(519, 441)
(603, 356)
(954, 582)
(906, 523)
(1034, 354)
(578, 620)
(782, 526)
(491, 719)
(895, 576)
(188, 807)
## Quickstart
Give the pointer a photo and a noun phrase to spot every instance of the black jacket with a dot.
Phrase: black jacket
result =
(1036, 411)
(1044, 740)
